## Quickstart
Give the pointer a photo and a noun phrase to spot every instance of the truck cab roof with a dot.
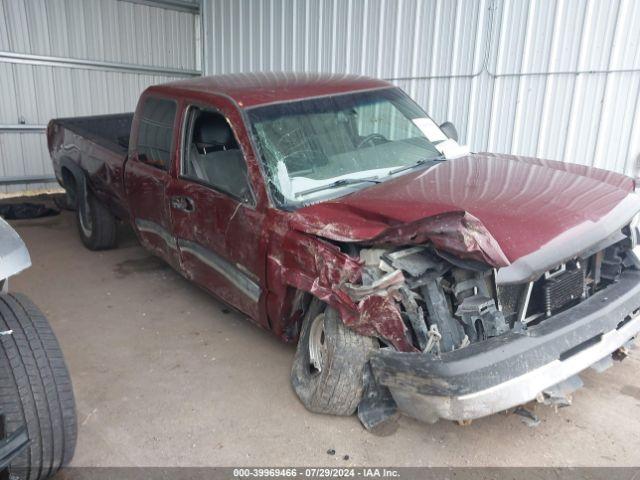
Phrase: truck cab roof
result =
(256, 89)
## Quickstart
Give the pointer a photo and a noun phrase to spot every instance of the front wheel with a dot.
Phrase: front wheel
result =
(96, 224)
(328, 368)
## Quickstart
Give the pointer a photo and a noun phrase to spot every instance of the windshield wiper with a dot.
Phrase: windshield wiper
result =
(338, 183)
(419, 163)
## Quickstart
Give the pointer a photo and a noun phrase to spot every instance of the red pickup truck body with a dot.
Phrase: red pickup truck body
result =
(519, 218)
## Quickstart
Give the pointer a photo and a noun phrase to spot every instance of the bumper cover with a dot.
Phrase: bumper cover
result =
(514, 368)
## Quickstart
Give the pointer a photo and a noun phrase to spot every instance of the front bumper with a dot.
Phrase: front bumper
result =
(514, 368)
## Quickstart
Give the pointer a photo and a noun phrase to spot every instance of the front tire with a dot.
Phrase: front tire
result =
(35, 389)
(96, 224)
(328, 367)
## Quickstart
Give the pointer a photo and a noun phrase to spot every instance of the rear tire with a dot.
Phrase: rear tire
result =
(333, 384)
(35, 389)
(96, 224)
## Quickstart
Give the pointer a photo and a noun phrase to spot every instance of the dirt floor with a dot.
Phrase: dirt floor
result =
(165, 375)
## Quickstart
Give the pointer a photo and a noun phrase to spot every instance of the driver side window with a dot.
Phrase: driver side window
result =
(213, 156)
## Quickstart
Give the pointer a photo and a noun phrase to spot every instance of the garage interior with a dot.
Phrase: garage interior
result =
(166, 375)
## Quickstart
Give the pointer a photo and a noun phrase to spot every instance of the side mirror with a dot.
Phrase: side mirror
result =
(449, 130)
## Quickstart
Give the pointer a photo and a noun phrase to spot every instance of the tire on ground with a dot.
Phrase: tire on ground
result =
(337, 389)
(96, 224)
(35, 389)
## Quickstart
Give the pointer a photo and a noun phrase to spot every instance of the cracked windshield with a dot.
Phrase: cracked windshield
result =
(330, 146)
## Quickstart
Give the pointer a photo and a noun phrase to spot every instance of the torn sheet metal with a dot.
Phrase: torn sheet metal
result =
(330, 275)
(457, 232)
(379, 316)
(381, 286)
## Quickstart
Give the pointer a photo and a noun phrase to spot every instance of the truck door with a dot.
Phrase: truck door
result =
(216, 224)
(147, 174)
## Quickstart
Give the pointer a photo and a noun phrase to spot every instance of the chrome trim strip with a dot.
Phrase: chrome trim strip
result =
(152, 227)
(43, 60)
(235, 274)
(229, 271)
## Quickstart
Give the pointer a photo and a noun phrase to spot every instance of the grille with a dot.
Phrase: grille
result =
(562, 289)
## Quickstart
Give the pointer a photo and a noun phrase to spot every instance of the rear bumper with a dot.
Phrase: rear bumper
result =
(516, 367)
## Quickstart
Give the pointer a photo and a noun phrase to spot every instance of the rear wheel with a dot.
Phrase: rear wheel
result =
(35, 389)
(328, 368)
(96, 224)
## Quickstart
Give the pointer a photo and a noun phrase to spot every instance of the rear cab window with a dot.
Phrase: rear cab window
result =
(155, 132)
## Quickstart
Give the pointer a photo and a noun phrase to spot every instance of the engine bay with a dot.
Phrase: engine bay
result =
(447, 303)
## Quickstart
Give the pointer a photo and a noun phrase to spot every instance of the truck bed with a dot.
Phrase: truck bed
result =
(98, 146)
(109, 131)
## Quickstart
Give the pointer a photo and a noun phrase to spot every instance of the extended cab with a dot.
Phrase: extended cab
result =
(334, 212)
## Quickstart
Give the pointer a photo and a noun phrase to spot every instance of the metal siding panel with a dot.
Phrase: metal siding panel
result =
(339, 33)
(102, 30)
(325, 45)
(601, 21)
(531, 93)
(24, 92)
(285, 18)
(528, 101)
(4, 28)
(8, 105)
(255, 40)
(16, 22)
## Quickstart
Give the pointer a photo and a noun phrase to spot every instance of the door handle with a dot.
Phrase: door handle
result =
(183, 203)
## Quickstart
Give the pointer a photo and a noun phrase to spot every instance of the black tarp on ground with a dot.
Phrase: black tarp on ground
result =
(25, 210)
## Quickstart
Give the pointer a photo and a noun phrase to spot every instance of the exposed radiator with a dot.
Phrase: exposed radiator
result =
(562, 289)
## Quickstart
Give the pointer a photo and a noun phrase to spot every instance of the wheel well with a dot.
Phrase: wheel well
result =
(296, 306)
(69, 184)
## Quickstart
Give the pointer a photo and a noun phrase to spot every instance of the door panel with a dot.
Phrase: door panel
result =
(145, 186)
(220, 244)
(146, 175)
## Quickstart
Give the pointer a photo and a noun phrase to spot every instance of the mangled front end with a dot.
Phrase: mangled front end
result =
(401, 285)
(455, 342)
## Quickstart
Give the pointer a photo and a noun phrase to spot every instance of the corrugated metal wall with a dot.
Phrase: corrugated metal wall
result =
(557, 79)
(81, 57)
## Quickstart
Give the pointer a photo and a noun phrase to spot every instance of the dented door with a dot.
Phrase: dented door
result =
(147, 174)
(214, 219)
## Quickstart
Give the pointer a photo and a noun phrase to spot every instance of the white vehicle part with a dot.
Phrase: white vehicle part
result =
(14, 256)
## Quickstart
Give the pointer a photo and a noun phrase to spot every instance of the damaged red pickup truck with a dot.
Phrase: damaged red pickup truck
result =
(414, 275)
